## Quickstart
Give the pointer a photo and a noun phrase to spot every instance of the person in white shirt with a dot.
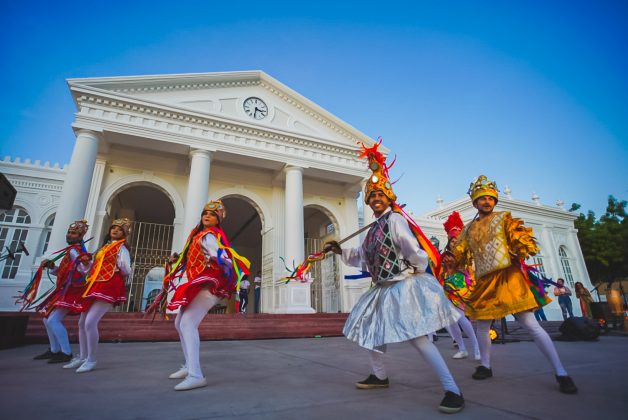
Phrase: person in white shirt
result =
(244, 293)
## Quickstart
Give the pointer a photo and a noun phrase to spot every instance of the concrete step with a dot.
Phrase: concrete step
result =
(126, 327)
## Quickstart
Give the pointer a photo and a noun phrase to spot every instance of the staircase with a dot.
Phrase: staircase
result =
(125, 327)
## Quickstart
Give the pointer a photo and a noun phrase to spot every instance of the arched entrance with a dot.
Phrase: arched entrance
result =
(152, 213)
(325, 288)
(243, 227)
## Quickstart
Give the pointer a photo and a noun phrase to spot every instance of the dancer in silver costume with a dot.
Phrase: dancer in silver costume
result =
(405, 303)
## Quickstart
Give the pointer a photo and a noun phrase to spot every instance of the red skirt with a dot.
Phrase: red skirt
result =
(212, 279)
(112, 291)
(72, 299)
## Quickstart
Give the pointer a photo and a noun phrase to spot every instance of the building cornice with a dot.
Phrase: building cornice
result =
(505, 204)
(136, 117)
(126, 86)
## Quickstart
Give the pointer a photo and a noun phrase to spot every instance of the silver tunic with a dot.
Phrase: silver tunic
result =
(410, 305)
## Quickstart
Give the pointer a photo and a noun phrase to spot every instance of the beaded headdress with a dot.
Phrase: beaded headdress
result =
(123, 223)
(481, 186)
(217, 207)
(379, 179)
(80, 226)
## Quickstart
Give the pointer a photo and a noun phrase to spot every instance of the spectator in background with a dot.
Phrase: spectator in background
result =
(539, 314)
(585, 299)
(564, 300)
(257, 282)
(244, 293)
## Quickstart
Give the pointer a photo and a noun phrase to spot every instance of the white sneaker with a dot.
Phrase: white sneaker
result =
(461, 355)
(86, 367)
(74, 363)
(179, 374)
(477, 355)
(191, 383)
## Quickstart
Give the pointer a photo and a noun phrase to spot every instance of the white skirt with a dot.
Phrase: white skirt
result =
(399, 311)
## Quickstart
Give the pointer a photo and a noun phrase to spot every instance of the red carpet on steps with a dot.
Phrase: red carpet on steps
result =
(121, 327)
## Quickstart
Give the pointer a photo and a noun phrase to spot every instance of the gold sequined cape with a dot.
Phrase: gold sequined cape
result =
(495, 245)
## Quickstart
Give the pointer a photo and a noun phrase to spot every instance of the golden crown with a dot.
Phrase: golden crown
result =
(123, 223)
(481, 186)
(378, 181)
(80, 225)
(216, 206)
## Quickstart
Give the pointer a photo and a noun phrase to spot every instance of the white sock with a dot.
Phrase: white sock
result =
(484, 341)
(96, 311)
(177, 326)
(82, 336)
(55, 322)
(456, 334)
(191, 318)
(542, 340)
(433, 358)
(466, 326)
(54, 344)
(377, 364)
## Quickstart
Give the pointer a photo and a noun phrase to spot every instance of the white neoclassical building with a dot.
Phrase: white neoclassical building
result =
(156, 148)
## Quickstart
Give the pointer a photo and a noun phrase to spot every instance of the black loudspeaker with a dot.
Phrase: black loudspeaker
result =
(7, 193)
(600, 310)
(579, 329)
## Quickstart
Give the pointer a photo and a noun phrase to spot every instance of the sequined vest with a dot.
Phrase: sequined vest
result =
(381, 254)
(489, 245)
(104, 271)
(65, 267)
(196, 260)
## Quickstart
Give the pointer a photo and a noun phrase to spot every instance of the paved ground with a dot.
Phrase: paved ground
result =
(311, 379)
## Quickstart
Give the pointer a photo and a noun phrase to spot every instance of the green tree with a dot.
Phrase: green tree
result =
(604, 242)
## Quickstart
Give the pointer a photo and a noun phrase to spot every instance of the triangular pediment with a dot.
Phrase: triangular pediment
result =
(248, 97)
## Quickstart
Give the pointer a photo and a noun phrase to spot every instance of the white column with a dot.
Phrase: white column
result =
(295, 296)
(294, 231)
(76, 186)
(198, 188)
(94, 193)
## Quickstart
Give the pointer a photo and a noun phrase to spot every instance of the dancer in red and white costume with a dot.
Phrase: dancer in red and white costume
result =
(66, 297)
(105, 288)
(209, 280)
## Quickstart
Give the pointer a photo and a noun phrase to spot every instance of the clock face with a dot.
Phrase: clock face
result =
(255, 108)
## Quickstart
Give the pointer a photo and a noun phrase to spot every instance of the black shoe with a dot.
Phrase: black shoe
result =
(47, 355)
(566, 385)
(452, 403)
(482, 372)
(61, 357)
(372, 382)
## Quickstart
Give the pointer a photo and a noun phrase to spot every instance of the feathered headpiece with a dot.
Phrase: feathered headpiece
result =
(379, 180)
(216, 206)
(80, 226)
(453, 225)
(481, 186)
(123, 223)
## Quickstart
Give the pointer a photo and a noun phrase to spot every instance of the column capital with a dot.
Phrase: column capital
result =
(200, 152)
(293, 168)
(86, 132)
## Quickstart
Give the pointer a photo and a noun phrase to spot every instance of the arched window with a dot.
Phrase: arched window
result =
(45, 235)
(564, 262)
(13, 230)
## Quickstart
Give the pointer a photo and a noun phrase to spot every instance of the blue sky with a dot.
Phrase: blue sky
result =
(533, 94)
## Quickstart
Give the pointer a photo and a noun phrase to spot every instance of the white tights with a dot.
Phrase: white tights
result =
(540, 336)
(430, 354)
(88, 329)
(57, 334)
(465, 324)
(187, 321)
